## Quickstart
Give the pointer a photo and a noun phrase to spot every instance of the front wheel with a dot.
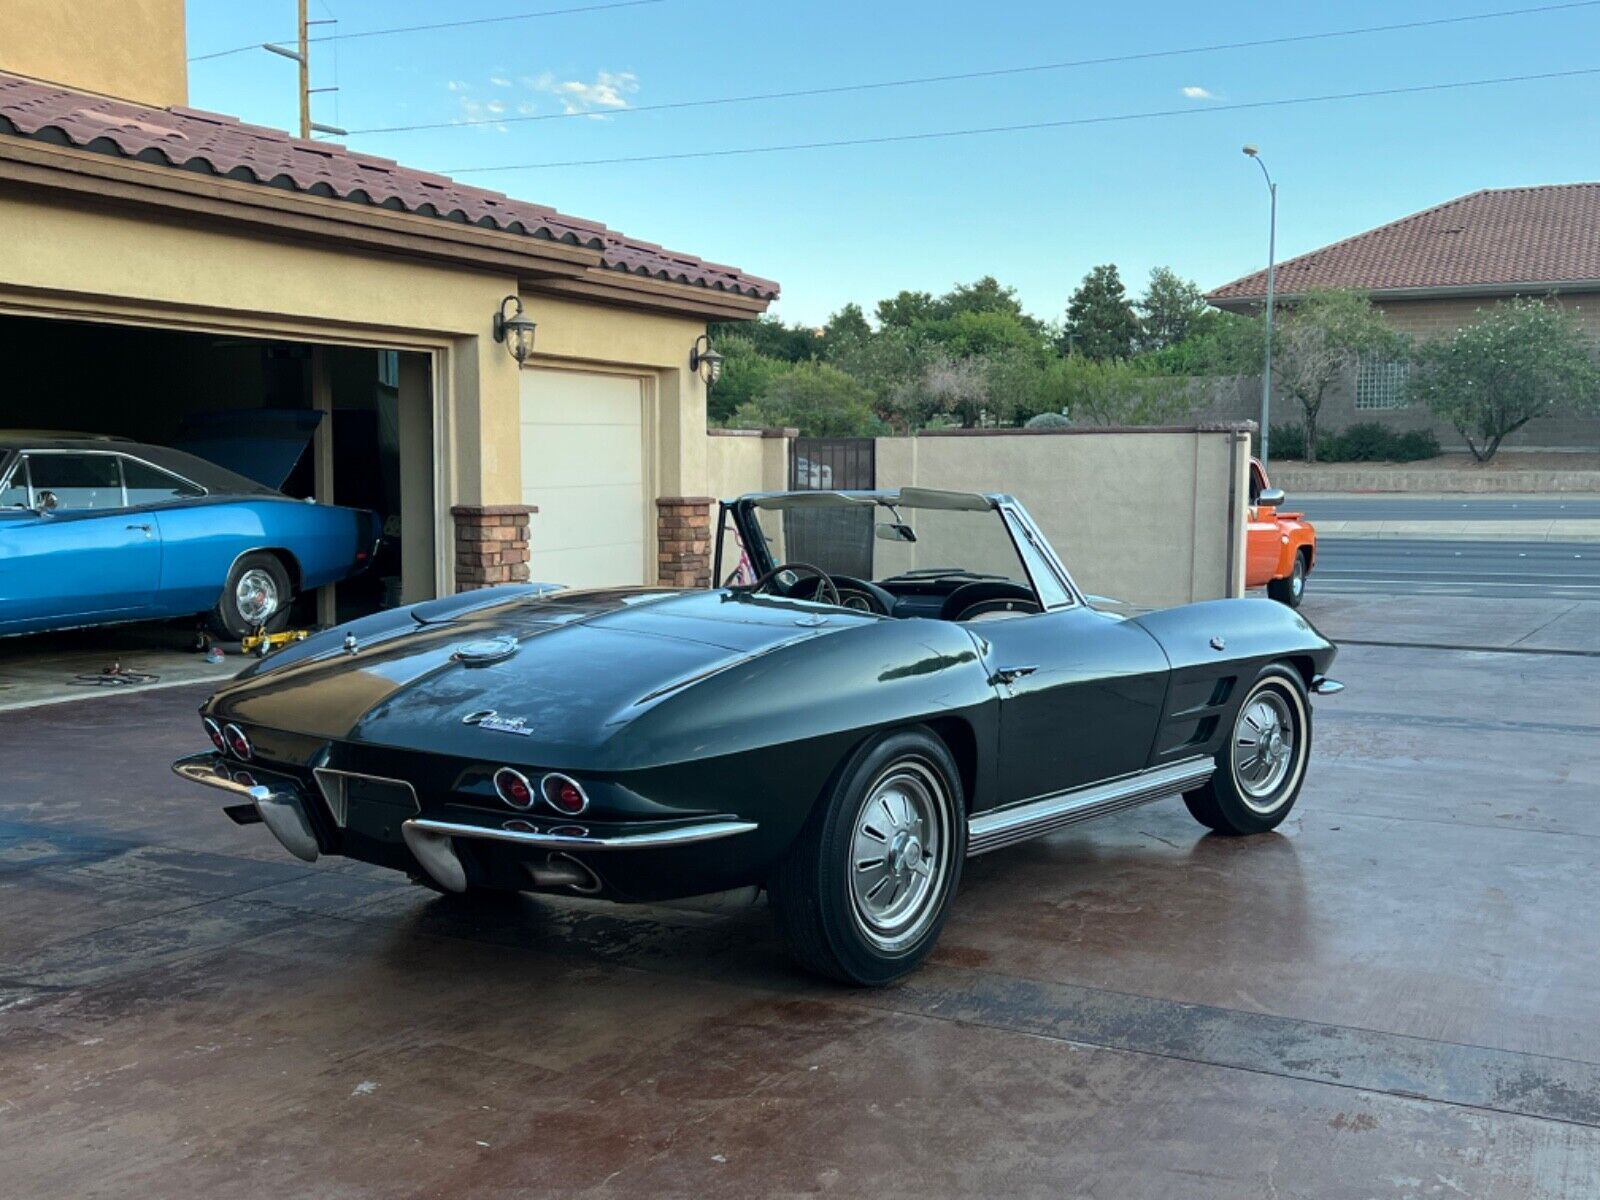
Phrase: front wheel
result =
(1262, 765)
(1292, 590)
(864, 891)
(256, 596)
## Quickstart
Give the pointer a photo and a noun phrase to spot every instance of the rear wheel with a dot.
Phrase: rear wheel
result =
(256, 595)
(1291, 590)
(864, 891)
(1260, 769)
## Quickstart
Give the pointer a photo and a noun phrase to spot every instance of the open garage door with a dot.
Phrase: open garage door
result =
(583, 465)
(345, 425)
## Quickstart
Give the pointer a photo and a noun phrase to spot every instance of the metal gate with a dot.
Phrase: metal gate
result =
(833, 464)
(837, 539)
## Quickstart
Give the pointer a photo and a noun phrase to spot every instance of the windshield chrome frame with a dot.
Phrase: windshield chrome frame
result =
(1015, 520)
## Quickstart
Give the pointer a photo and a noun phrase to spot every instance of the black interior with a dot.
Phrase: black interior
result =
(947, 596)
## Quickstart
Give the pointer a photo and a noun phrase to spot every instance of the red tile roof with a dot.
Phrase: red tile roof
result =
(193, 140)
(1496, 239)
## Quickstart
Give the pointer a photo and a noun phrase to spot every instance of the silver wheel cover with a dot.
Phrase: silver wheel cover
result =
(256, 597)
(1268, 747)
(900, 854)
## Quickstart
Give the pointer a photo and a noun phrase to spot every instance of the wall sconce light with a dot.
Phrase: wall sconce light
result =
(516, 331)
(705, 361)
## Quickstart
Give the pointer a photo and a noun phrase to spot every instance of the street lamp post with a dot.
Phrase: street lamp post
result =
(1272, 271)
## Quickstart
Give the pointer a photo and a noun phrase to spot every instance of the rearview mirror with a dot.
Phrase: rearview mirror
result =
(45, 502)
(1270, 498)
(895, 531)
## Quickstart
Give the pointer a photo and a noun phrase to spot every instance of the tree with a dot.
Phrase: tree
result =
(1319, 341)
(1517, 361)
(975, 333)
(1172, 309)
(1100, 321)
(848, 322)
(957, 388)
(906, 309)
(746, 374)
(790, 343)
(818, 399)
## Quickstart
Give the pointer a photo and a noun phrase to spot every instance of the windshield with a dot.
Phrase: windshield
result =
(889, 543)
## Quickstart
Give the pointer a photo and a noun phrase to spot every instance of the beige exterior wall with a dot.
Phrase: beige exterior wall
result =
(81, 264)
(740, 461)
(1150, 518)
(133, 49)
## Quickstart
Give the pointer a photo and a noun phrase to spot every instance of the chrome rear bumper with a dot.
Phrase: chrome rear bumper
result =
(281, 809)
(1323, 686)
(432, 843)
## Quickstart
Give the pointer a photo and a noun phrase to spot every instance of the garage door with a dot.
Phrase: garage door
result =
(583, 466)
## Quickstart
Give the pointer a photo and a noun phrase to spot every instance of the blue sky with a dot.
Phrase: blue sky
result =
(1037, 209)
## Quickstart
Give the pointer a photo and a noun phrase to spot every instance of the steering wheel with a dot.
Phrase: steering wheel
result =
(824, 584)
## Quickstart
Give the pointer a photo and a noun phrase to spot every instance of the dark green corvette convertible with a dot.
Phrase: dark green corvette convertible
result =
(884, 684)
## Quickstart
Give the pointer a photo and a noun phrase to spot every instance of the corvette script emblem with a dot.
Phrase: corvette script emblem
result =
(489, 719)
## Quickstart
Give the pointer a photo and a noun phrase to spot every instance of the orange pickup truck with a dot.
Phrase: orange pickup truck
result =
(1280, 547)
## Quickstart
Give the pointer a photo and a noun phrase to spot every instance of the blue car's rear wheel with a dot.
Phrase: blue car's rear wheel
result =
(257, 595)
(866, 887)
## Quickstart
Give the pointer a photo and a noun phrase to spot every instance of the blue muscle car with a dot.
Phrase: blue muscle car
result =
(98, 530)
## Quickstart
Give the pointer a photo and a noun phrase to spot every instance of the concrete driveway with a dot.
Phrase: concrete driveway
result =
(1393, 997)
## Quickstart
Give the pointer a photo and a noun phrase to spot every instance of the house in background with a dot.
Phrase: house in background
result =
(163, 266)
(1430, 273)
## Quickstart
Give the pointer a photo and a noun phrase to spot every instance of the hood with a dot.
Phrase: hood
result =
(262, 444)
(562, 673)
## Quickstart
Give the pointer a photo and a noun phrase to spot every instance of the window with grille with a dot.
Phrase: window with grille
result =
(1381, 385)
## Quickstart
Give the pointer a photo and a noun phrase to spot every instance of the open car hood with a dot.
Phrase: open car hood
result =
(262, 444)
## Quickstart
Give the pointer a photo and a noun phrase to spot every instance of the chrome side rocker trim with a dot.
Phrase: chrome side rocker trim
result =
(1034, 818)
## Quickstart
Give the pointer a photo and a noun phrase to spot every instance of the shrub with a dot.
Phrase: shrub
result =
(1048, 420)
(1365, 441)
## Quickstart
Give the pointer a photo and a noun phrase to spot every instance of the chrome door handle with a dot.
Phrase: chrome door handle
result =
(144, 528)
(1011, 674)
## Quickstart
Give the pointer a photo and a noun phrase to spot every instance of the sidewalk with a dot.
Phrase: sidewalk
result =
(1583, 529)
(1541, 474)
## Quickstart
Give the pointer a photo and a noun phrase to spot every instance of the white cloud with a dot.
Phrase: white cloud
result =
(496, 106)
(499, 81)
(459, 85)
(1194, 92)
(609, 91)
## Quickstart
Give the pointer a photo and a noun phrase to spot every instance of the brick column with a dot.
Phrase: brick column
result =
(491, 544)
(683, 541)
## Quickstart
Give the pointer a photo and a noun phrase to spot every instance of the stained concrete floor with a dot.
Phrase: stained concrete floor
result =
(1396, 996)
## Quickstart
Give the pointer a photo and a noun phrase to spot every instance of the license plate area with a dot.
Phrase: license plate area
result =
(367, 806)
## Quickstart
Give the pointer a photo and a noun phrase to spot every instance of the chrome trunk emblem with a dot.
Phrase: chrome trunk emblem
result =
(489, 719)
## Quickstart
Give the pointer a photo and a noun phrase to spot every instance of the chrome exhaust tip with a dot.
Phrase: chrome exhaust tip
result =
(562, 870)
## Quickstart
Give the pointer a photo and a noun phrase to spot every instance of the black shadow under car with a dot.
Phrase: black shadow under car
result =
(884, 684)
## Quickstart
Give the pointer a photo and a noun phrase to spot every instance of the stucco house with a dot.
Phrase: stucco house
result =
(161, 265)
(1431, 271)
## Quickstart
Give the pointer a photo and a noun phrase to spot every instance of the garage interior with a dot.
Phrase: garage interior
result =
(345, 425)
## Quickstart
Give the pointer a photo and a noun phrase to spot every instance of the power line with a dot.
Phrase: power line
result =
(372, 33)
(997, 72)
(1032, 125)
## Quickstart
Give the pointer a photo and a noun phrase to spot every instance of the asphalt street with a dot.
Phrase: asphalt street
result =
(1504, 569)
(1446, 508)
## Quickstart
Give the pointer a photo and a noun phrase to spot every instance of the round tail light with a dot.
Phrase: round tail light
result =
(214, 732)
(513, 787)
(563, 794)
(237, 742)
